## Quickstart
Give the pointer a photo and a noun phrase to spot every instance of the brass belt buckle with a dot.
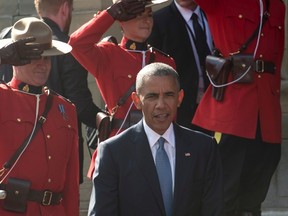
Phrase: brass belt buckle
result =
(47, 198)
(259, 66)
(3, 194)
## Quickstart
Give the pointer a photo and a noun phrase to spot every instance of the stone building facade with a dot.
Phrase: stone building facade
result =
(277, 200)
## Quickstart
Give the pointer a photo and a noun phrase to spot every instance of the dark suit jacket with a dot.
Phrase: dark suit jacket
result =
(126, 181)
(170, 35)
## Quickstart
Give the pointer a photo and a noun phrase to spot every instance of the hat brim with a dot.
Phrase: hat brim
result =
(58, 47)
(155, 2)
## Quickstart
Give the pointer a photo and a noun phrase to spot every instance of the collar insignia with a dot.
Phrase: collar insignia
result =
(133, 46)
(25, 88)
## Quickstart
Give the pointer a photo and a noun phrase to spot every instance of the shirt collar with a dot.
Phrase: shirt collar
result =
(153, 136)
(51, 23)
(186, 13)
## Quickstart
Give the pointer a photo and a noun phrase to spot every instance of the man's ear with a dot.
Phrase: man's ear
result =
(64, 11)
(180, 97)
(136, 100)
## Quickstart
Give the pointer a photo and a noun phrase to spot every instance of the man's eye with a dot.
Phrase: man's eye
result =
(171, 94)
(150, 96)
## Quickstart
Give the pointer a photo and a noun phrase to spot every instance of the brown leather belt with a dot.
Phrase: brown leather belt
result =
(44, 197)
(261, 66)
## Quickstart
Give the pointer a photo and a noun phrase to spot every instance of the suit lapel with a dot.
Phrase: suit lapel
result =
(143, 156)
(180, 25)
(182, 172)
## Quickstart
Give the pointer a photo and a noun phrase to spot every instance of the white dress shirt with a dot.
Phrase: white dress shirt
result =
(169, 145)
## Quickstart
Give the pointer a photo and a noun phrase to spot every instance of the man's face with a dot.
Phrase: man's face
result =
(36, 73)
(139, 28)
(159, 100)
(189, 4)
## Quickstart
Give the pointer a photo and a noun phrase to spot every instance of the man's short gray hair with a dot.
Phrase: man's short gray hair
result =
(155, 69)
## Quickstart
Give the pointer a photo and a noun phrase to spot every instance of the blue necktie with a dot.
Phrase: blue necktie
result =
(164, 176)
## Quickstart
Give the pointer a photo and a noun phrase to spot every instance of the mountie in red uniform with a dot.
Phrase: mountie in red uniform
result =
(114, 66)
(50, 162)
(249, 116)
(238, 113)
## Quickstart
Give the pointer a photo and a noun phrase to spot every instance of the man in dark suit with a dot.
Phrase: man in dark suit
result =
(173, 33)
(127, 178)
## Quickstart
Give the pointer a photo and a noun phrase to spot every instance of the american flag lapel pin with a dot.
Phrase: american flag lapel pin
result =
(62, 111)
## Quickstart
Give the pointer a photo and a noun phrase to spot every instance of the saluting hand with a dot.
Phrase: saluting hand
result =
(21, 52)
(124, 10)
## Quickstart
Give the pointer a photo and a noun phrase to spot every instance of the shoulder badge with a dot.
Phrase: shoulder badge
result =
(159, 51)
(110, 39)
(56, 94)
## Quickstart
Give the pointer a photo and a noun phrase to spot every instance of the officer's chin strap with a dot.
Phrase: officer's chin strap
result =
(2, 171)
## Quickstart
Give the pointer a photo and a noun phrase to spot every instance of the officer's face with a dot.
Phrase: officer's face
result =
(139, 28)
(159, 99)
(36, 73)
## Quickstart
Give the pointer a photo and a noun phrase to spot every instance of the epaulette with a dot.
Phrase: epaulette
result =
(57, 94)
(159, 51)
(4, 84)
(110, 39)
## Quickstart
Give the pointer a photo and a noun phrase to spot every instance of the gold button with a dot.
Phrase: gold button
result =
(259, 76)
(129, 76)
(69, 126)
(48, 136)
(49, 180)
(16, 192)
(240, 16)
(262, 34)
(280, 27)
(261, 56)
(18, 120)
(243, 65)
(49, 157)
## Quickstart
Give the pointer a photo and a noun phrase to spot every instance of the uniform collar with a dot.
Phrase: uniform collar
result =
(22, 86)
(133, 45)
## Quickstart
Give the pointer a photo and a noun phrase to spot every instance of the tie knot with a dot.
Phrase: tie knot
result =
(194, 17)
(161, 142)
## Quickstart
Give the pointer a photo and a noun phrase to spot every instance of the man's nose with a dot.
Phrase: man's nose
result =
(161, 102)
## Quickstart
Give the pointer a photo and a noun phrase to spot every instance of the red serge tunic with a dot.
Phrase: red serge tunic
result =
(232, 23)
(114, 66)
(50, 161)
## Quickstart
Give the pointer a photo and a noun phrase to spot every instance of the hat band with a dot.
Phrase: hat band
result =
(46, 46)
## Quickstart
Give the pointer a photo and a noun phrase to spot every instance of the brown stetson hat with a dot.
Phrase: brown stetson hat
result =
(34, 27)
(149, 3)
